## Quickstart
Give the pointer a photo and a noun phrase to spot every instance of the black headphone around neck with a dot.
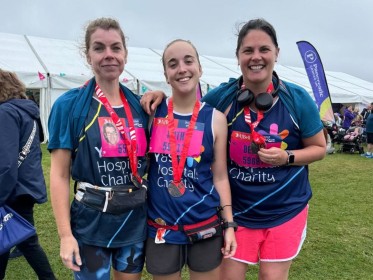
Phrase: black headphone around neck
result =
(263, 101)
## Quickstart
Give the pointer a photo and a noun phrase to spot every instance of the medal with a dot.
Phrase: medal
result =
(254, 148)
(258, 141)
(176, 190)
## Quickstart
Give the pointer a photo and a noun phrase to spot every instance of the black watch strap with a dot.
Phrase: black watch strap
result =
(291, 157)
(230, 224)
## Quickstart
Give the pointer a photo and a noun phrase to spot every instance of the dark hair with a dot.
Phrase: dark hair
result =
(256, 24)
(11, 87)
(103, 23)
(175, 41)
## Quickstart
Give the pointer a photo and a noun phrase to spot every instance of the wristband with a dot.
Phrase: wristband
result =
(230, 224)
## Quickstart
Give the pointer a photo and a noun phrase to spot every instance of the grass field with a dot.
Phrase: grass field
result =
(339, 242)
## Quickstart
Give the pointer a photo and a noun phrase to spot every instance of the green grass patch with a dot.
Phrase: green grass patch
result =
(339, 242)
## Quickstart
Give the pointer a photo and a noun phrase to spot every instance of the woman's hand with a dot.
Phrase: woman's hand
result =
(274, 156)
(230, 244)
(314, 148)
(151, 99)
(69, 253)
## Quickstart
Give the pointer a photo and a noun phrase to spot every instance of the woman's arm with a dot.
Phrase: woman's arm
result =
(60, 198)
(221, 182)
(314, 148)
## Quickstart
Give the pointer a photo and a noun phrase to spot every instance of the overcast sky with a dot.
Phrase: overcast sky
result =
(340, 30)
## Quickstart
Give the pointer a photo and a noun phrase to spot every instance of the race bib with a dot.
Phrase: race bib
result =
(241, 149)
(113, 144)
(160, 139)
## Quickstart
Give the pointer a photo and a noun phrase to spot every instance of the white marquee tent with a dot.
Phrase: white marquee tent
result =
(63, 67)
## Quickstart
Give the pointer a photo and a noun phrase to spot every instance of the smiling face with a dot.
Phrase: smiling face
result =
(111, 134)
(181, 67)
(257, 56)
(106, 54)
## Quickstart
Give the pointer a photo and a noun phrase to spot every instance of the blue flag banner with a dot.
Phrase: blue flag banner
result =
(316, 76)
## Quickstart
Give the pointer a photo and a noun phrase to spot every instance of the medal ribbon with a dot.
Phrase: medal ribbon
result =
(257, 138)
(178, 166)
(131, 144)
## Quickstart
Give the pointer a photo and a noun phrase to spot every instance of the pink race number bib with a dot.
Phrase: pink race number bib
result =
(160, 139)
(113, 144)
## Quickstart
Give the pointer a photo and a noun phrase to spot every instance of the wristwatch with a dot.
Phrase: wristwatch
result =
(291, 157)
(230, 224)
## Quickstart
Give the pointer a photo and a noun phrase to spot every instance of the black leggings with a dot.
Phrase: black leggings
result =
(30, 248)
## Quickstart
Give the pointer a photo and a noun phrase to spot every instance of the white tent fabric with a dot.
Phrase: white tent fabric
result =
(343, 88)
(146, 65)
(17, 56)
(64, 68)
(299, 76)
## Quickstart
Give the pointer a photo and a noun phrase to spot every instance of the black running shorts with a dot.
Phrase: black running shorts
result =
(165, 259)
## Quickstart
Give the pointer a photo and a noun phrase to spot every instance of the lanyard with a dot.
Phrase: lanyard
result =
(178, 166)
(257, 138)
(131, 144)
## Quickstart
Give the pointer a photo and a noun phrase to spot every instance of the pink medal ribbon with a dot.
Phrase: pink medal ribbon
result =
(131, 144)
(177, 188)
(258, 140)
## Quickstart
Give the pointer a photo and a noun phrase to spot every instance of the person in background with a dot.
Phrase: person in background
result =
(96, 235)
(348, 116)
(34, 97)
(329, 145)
(366, 111)
(274, 132)
(369, 132)
(355, 128)
(338, 120)
(188, 182)
(21, 187)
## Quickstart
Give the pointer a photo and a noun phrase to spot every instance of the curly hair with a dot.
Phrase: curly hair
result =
(11, 87)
